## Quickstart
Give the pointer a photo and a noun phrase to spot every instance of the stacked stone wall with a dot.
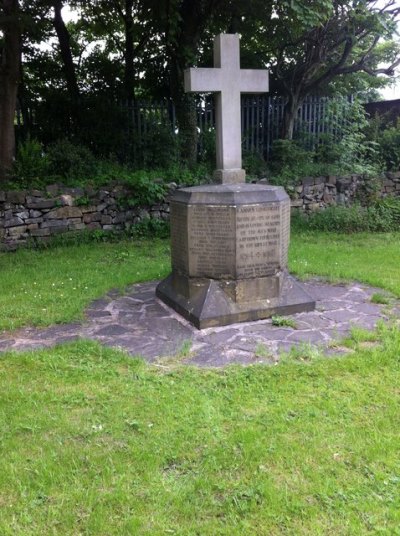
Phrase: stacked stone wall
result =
(318, 193)
(37, 215)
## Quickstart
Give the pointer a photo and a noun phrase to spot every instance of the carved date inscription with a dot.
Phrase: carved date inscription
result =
(258, 240)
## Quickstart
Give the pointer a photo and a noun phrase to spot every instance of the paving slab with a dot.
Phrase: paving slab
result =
(141, 325)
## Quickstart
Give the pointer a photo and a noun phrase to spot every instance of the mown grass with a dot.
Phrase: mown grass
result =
(51, 286)
(44, 287)
(93, 442)
(370, 258)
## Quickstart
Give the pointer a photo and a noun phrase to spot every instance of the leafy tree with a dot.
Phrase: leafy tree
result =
(329, 40)
(183, 26)
(316, 46)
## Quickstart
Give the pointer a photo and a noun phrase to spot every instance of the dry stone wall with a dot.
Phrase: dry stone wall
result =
(37, 215)
(316, 193)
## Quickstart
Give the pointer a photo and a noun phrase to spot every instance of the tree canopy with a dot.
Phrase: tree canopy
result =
(68, 74)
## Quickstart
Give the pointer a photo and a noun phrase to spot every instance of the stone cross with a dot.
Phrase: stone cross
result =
(227, 81)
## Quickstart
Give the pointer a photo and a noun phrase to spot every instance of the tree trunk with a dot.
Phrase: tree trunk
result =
(289, 115)
(9, 76)
(66, 56)
(129, 76)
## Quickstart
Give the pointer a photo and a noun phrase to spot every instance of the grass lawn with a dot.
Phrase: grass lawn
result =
(44, 287)
(95, 443)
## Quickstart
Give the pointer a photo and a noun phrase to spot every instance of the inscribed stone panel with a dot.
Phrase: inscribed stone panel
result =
(211, 231)
(258, 239)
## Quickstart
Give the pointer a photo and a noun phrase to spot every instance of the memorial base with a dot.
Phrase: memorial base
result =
(206, 302)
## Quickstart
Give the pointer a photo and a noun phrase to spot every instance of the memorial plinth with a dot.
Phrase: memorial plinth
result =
(229, 251)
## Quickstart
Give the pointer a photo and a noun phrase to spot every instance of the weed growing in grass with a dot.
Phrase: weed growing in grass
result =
(363, 338)
(283, 321)
(261, 350)
(380, 298)
(302, 353)
(185, 349)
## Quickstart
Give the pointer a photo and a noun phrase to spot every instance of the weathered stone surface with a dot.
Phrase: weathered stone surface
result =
(77, 226)
(93, 225)
(53, 224)
(13, 222)
(34, 220)
(36, 193)
(229, 247)
(64, 212)
(14, 231)
(66, 200)
(142, 326)
(304, 198)
(53, 189)
(35, 213)
(92, 217)
(40, 232)
(394, 175)
(23, 215)
(90, 208)
(227, 81)
(74, 192)
(121, 217)
(35, 203)
(16, 196)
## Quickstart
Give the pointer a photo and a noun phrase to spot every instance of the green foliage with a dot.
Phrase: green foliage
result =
(388, 144)
(382, 216)
(290, 162)
(207, 148)
(31, 163)
(83, 201)
(302, 353)
(254, 164)
(387, 209)
(347, 146)
(145, 189)
(71, 162)
(156, 148)
(150, 228)
(282, 321)
(380, 298)
(309, 14)
(185, 176)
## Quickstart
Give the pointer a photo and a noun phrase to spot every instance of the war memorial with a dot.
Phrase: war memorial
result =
(229, 240)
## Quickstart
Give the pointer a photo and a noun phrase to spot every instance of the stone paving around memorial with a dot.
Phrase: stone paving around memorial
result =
(138, 323)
